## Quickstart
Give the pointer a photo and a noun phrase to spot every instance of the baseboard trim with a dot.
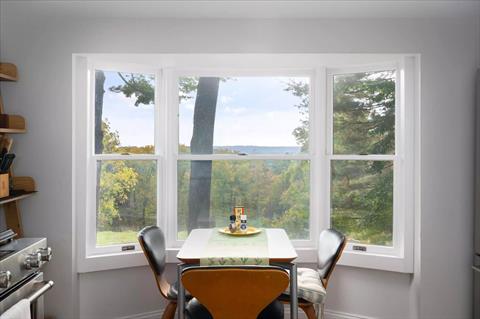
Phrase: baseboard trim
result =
(145, 315)
(329, 314)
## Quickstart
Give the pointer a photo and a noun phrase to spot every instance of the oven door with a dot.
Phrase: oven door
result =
(30, 288)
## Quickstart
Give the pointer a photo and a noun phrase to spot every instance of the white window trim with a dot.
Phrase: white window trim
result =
(319, 66)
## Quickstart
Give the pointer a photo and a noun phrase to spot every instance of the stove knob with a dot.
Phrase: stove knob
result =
(45, 254)
(32, 261)
(5, 278)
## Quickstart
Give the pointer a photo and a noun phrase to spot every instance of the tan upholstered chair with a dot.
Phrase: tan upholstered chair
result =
(312, 283)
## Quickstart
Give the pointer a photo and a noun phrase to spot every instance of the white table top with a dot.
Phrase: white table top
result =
(280, 248)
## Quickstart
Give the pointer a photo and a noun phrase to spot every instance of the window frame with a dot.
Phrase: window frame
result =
(173, 108)
(93, 159)
(167, 68)
(395, 158)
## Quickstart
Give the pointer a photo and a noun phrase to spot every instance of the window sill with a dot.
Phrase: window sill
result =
(305, 255)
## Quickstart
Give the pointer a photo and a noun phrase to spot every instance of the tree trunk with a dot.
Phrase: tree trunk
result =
(202, 143)
(99, 92)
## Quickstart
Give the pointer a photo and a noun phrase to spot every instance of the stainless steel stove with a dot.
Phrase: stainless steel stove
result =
(20, 277)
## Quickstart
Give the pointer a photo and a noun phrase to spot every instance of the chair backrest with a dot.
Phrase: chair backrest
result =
(152, 241)
(235, 292)
(330, 247)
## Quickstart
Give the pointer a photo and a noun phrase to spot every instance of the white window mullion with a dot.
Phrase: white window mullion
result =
(171, 80)
(398, 165)
(160, 132)
(91, 214)
(363, 157)
(236, 157)
(129, 157)
(319, 192)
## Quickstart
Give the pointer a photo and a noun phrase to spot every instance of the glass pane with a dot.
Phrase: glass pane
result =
(362, 200)
(124, 112)
(364, 113)
(252, 115)
(275, 193)
(126, 200)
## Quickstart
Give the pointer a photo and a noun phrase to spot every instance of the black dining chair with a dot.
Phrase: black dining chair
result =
(312, 283)
(233, 292)
(152, 241)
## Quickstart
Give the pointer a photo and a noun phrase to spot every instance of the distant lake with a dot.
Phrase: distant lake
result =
(250, 149)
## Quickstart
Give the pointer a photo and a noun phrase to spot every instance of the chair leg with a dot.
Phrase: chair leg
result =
(309, 311)
(169, 312)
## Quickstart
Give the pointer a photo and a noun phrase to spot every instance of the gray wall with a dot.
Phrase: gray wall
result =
(42, 43)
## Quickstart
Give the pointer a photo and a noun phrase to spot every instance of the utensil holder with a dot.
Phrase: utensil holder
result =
(4, 185)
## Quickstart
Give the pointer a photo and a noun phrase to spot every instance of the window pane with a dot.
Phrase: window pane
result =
(275, 193)
(126, 200)
(253, 115)
(124, 112)
(362, 200)
(364, 113)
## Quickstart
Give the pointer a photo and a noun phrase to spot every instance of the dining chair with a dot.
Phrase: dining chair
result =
(312, 283)
(152, 241)
(233, 292)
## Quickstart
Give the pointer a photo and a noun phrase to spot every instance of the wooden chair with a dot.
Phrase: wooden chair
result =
(152, 241)
(235, 292)
(312, 284)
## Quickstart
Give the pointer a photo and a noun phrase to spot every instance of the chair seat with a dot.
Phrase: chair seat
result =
(195, 310)
(309, 287)
(173, 292)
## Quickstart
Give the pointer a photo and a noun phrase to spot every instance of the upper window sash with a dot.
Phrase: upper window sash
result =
(176, 74)
(125, 68)
(331, 73)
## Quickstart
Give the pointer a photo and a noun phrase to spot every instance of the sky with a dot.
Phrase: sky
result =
(254, 111)
(250, 111)
(134, 124)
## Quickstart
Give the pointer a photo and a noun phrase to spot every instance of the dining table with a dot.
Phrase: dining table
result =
(211, 247)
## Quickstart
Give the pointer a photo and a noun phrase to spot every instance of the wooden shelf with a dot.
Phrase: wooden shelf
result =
(8, 72)
(21, 186)
(12, 130)
(16, 195)
(12, 124)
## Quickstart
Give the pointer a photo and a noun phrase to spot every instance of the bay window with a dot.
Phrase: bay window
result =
(301, 145)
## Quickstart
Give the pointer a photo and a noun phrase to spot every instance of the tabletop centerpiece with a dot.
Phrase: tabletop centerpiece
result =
(238, 223)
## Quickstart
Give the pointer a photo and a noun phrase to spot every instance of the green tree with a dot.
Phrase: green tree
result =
(118, 180)
(116, 184)
(364, 123)
(301, 90)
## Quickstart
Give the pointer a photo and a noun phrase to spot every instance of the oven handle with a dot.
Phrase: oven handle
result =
(37, 294)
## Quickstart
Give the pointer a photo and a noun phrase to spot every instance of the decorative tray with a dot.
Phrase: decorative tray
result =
(250, 231)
